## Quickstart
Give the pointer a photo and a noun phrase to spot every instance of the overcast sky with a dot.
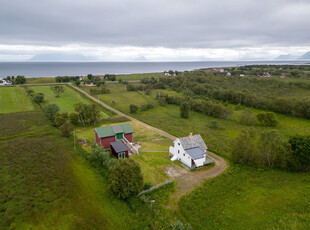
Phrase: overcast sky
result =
(158, 30)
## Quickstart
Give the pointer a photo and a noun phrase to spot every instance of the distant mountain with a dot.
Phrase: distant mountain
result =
(305, 56)
(286, 57)
(62, 57)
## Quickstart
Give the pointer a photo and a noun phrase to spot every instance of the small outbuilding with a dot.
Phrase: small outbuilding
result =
(119, 150)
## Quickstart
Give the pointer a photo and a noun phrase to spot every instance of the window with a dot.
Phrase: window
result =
(178, 151)
(184, 154)
(178, 143)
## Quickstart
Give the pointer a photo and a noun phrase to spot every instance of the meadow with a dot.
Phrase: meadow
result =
(14, 99)
(168, 118)
(46, 184)
(249, 198)
(66, 100)
(40, 80)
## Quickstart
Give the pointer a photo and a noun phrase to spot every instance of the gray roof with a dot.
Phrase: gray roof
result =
(193, 142)
(196, 153)
(118, 146)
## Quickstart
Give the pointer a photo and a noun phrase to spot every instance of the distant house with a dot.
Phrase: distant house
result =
(4, 82)
(228, 74)
(100, 76)
(108, 134)
(81, 78)
(191, 151)
(283, 75)
(119, 149)
(89, 83)
(265, 75)
(242, 75)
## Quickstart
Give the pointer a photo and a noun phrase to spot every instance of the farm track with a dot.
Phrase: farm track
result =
(186, 182)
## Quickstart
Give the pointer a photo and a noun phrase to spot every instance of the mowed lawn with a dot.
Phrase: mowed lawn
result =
(14, 99)
(153, 154)
(66, 100)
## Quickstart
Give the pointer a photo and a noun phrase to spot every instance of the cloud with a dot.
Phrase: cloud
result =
(140, 26)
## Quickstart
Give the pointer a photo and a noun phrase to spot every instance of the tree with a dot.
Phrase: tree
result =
(50, 111)
(38, 98)
(74, 118)
(162, 101)
(243, 148)
(133, 108)
(88, 113)
(267, 119)
(184, 110)
(270, 145)
(126, 179)
(58, 89)
(20, 80)
(247, 117)
(60, 119)
(66, 129)
(301, 150)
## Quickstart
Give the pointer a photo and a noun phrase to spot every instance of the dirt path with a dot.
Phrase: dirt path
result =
(186, 179)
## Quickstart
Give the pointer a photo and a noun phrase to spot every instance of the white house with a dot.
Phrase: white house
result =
(5, 82)
(191, 151)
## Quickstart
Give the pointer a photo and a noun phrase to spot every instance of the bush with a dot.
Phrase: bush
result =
(184, 110)
(213, 125)
(247, 117)
(38, 98)
(162, 101)
(148, 91)
(74, 118)
(147, 186)
(133, 108)
(50, 111)
(60, 119)
(126, 179)
(146, 107)
(267, 119)
(66, 129)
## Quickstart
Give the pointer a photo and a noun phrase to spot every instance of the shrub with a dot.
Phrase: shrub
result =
(247, 117)
(60, 119)
(162, 101)
(267, 119)
(126, 179)
(213, 125)
(133, 108)
(146, 107)
(50, 111)
(184, 110)
(66, 129)
(38, 98)
(74, 118)
(147, 185)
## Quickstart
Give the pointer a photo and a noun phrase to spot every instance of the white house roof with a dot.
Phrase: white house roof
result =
(196, 153)
(193, 142)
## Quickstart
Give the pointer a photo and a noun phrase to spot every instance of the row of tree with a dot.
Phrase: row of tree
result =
(269, 149)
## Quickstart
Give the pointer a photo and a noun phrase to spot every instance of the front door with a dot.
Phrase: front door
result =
(119, 136)
(121, 155)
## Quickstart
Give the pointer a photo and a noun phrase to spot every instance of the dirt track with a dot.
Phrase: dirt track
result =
(187, 180)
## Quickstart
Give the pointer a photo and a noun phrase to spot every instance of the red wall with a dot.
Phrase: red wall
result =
(105, 142)
(128, 137)
(116, 154)
(97, 138)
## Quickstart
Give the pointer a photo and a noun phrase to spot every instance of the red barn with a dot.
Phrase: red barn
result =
(107, 134)
(119, 150)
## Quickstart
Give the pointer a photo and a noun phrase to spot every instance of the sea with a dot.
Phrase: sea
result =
(53, 69)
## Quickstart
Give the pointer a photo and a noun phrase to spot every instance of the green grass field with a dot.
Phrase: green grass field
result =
(139, 76)
(36, 80)
(249, 198)
(66, 101)
(46, 185)
(168, 118)
(152, 163)
(14, 99)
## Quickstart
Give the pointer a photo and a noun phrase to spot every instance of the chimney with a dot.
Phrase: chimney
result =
(190, 135)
